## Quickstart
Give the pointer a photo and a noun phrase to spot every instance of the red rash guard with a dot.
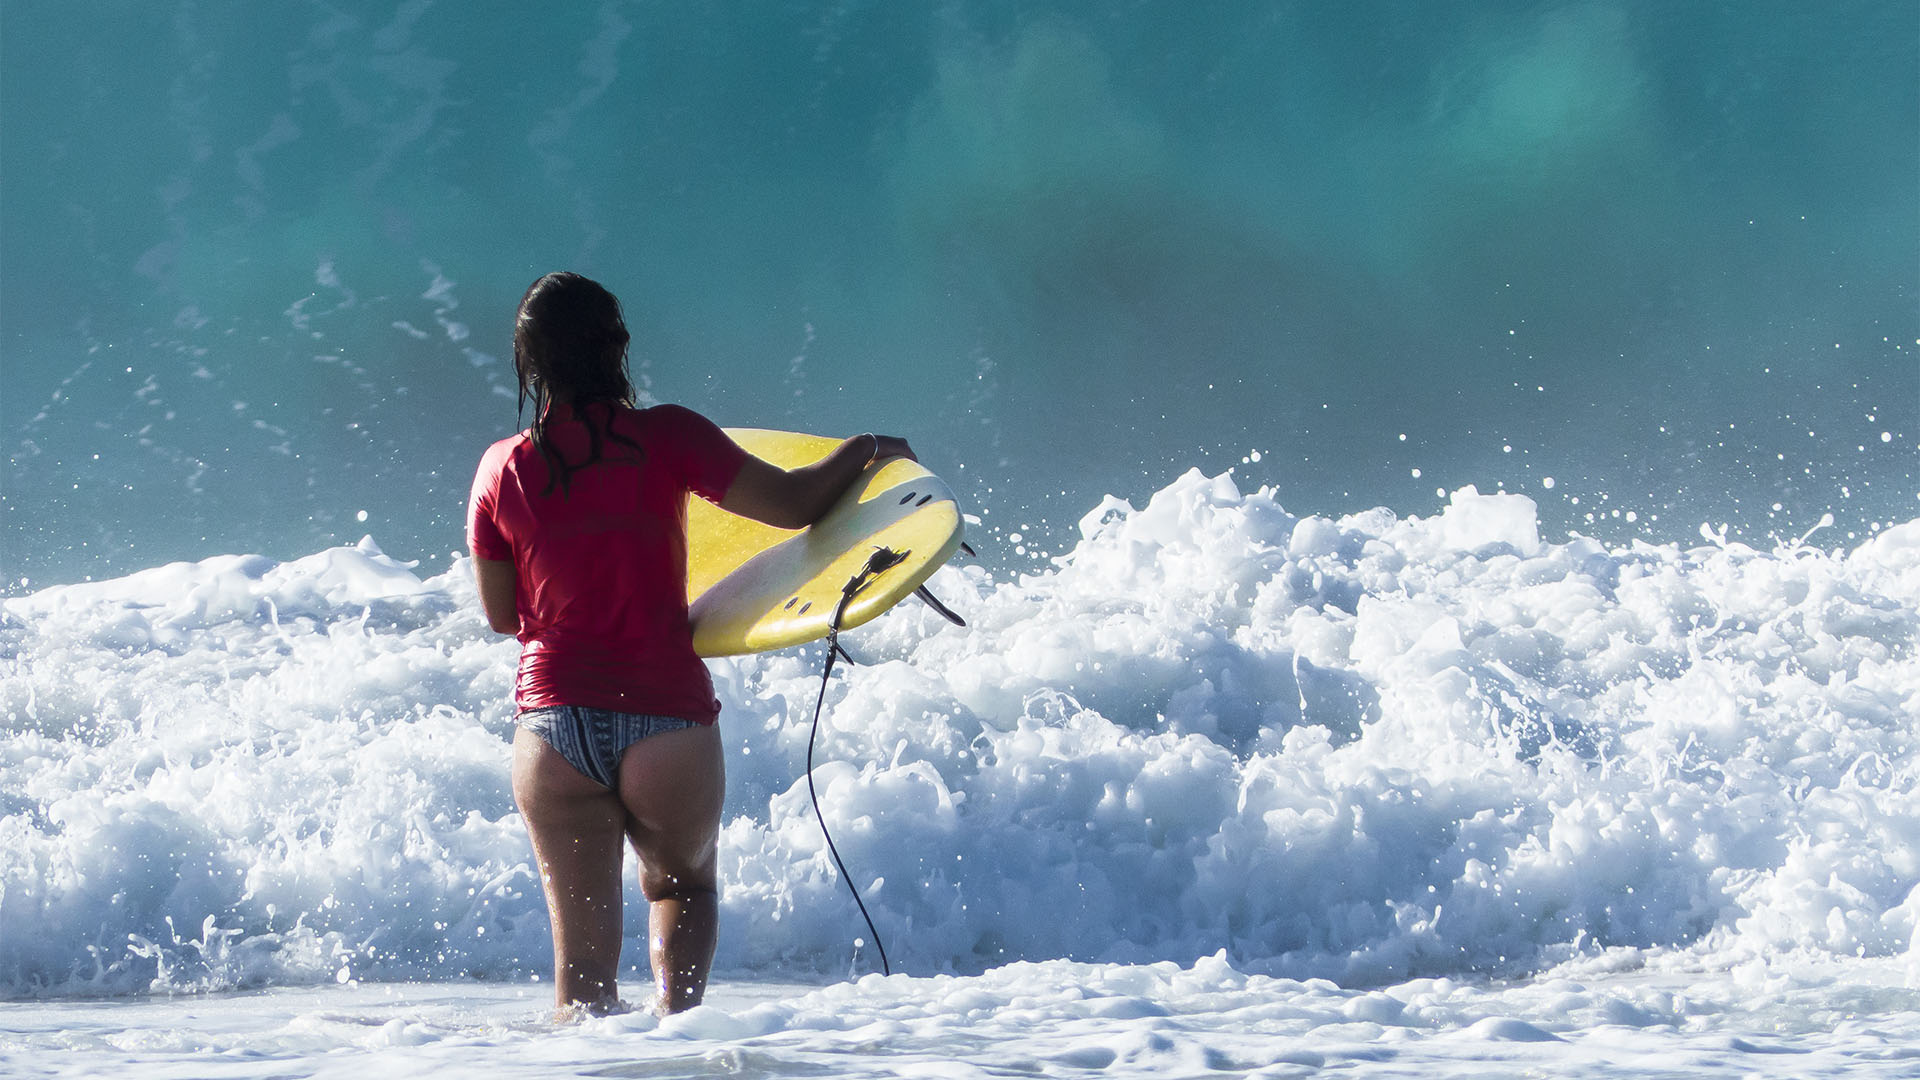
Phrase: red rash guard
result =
(601, 566)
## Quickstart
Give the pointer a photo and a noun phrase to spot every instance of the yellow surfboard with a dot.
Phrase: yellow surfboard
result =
(753, 587)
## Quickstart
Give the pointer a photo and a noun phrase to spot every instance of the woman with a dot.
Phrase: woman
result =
(578, 532)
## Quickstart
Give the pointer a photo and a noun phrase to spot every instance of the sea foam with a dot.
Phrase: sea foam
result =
(1366, 749)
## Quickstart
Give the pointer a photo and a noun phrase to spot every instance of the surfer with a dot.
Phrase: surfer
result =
(578, 532)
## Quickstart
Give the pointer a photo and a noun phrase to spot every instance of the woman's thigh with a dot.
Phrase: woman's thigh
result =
(552, 793)
(576, 827)
(673, 785)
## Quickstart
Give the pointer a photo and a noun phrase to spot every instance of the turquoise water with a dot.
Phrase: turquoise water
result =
(1256, 779)
(257, 261)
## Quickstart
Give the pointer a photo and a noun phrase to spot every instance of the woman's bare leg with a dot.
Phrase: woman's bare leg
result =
(576, 826)
(672, 785)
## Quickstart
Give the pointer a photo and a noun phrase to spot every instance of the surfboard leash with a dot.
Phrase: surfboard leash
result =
(880, 561)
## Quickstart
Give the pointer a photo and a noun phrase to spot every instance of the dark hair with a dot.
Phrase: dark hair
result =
(570, 344)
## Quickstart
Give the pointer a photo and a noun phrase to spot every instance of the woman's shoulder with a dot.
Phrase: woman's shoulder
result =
(502, 449)
(496, 461)
(668, 412)
(674, 420)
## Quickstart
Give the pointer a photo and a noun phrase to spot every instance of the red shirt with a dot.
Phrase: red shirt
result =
(601, 566)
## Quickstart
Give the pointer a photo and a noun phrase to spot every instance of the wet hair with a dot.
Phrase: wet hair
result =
(570, 344)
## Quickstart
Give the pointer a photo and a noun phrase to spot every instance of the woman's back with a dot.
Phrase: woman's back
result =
(600, 559)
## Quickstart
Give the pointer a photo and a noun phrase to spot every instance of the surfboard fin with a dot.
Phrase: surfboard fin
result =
(933, 602)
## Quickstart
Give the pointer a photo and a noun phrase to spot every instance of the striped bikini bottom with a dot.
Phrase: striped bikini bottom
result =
(592, 740)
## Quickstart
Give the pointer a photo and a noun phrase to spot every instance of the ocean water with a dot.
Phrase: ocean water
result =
(260, 260)
(1444, 480)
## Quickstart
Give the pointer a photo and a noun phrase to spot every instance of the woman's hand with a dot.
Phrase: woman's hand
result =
(886, 446)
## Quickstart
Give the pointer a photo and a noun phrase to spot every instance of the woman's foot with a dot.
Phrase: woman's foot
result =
(575, 1012)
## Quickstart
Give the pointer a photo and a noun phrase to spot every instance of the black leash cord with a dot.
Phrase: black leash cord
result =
(882, 559)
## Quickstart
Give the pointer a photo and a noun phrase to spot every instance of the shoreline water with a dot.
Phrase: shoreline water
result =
(1649, 1015)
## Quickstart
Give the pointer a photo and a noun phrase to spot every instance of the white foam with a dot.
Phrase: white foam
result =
(1369, 749)
(1048, 1019)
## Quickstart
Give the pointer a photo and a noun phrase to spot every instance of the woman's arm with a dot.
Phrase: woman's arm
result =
(796, 498)
(496, 580)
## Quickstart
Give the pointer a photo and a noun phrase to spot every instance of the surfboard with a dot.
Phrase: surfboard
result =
(753, 587)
